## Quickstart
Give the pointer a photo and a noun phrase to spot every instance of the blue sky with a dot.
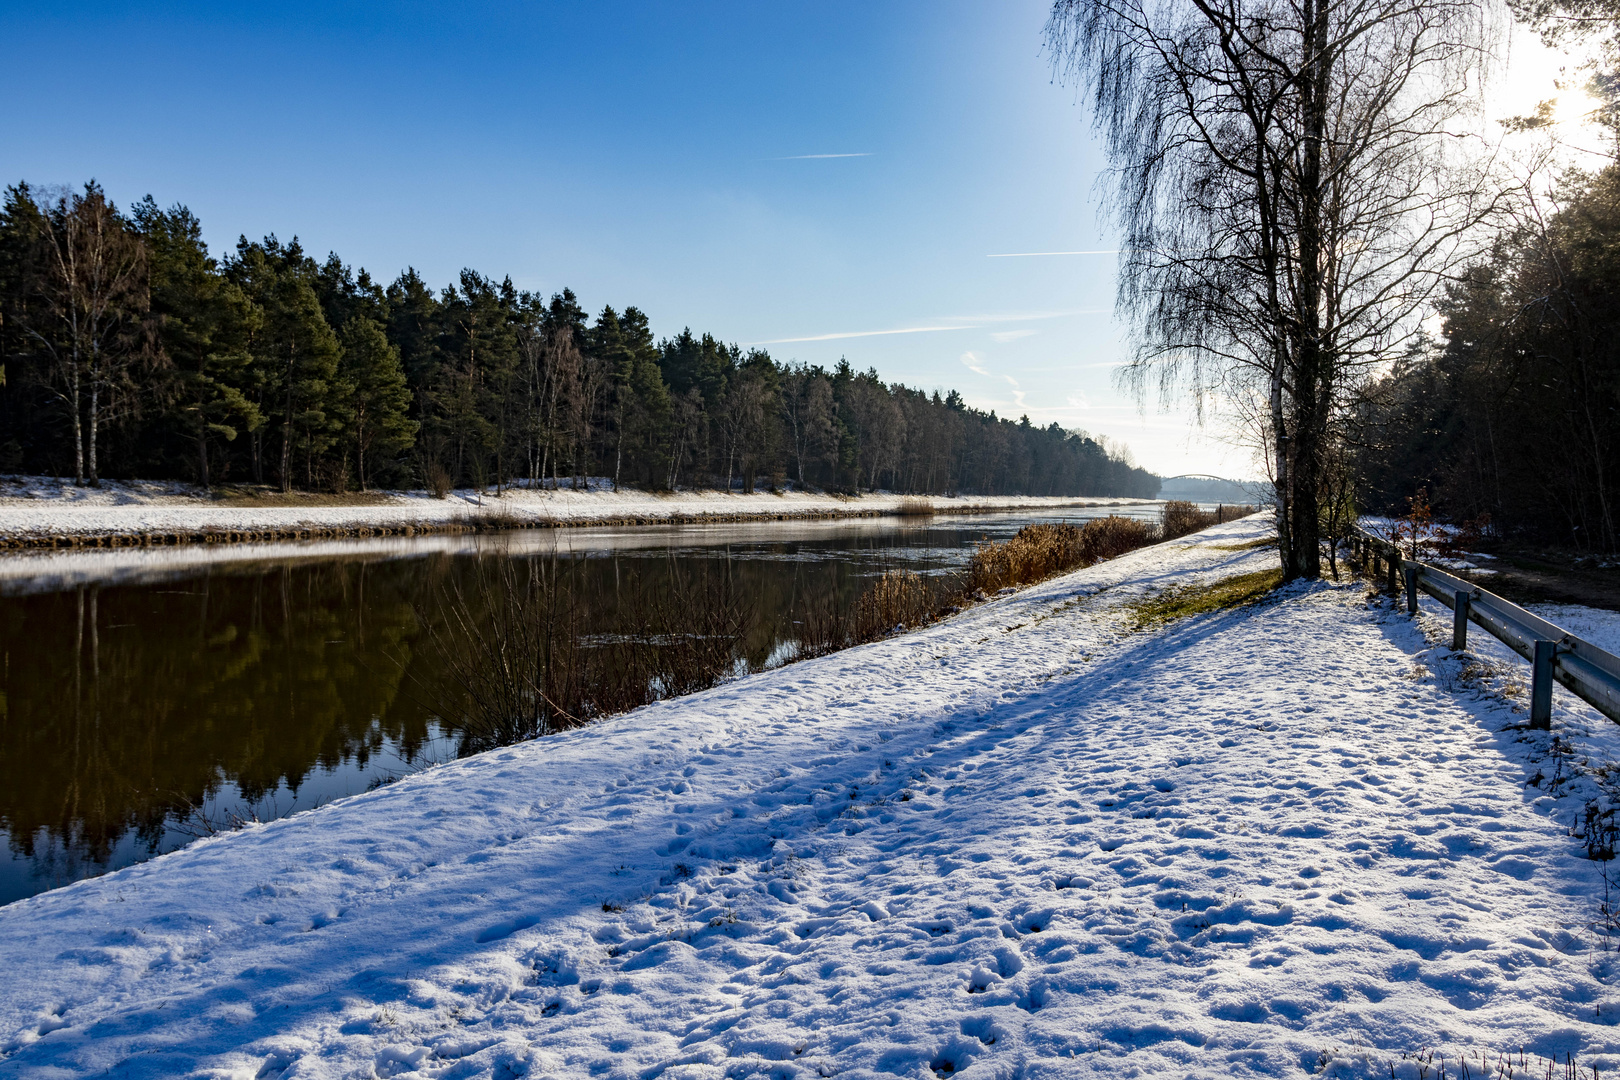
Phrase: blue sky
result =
(689, 159)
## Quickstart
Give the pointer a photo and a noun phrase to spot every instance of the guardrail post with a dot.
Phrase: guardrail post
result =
(1461, 605)
(1541, 684)
(1394, 560)
(1411, 573)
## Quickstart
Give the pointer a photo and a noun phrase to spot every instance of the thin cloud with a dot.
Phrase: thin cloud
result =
(816, 157)
(861, 333)
(1033, 254)
(975, 364)
(953, 322)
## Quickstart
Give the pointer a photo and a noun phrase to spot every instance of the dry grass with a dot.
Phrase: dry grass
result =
(1199, 598)
(1247, 545)
(497, 517)
(1181, 518)
(912, 506)
(263, 495)
(1038, 552)
(897, 601)
(824, 629)
(902, 599)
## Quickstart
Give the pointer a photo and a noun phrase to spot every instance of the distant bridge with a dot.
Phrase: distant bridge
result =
(1206, 476)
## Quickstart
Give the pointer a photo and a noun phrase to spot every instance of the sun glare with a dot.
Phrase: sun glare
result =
(1535, 75)
(1575, 107)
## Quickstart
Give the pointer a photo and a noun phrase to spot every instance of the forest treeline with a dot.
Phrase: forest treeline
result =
(1512, 416)
(129, 351)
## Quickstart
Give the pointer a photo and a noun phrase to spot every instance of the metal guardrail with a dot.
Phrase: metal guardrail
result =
(1591, 673)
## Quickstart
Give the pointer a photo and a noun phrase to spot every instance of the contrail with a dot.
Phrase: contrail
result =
(1027, 254)
(863, 333)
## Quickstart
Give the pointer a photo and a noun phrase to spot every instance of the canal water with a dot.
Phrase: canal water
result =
(149, 698)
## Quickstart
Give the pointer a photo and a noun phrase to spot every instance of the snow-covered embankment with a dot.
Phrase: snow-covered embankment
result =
(45, 512)
(1026, 841)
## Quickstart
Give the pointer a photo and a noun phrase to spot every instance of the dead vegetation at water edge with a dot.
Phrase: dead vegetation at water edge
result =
(533, 669)
(912, 506)
(1180, 518)
(1038, 552)
(522, 661)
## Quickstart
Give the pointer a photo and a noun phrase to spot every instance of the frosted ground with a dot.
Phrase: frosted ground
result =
(40, 506)
(1027, 841)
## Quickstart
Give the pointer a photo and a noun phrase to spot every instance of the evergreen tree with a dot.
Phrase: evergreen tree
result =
(645, 417)
(204, 325)
(333, 379)
(28, 433)
(295, 358)
(468, 415)
(380, 426)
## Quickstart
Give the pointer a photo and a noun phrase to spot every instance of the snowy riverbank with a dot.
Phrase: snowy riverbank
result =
(32, 510)
(1025, 841)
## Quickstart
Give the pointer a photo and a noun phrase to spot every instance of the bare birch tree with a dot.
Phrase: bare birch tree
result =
(807, 407)
(1294, 180)
(562, 369)
(94, 290)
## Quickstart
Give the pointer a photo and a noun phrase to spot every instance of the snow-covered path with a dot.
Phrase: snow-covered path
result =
(1026, 841)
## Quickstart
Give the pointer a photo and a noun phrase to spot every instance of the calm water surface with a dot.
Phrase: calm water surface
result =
(148, 697)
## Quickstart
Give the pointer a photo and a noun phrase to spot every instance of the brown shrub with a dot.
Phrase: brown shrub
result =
(899, 599)
(912, 506)
(438, 480)
(824, 628)
(1038, 552)
(1181, 518)
(1113, 536)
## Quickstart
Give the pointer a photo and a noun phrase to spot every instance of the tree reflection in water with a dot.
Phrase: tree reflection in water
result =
(133, 716)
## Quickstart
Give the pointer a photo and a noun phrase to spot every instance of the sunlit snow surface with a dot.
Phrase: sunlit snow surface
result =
(1021, 842)
(36, 507)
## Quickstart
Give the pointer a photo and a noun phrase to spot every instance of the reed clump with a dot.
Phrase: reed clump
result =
(912, 506)
(1181, 517)
(1038, 552)
(899, 600)
(903, 599)
(1113, 536)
